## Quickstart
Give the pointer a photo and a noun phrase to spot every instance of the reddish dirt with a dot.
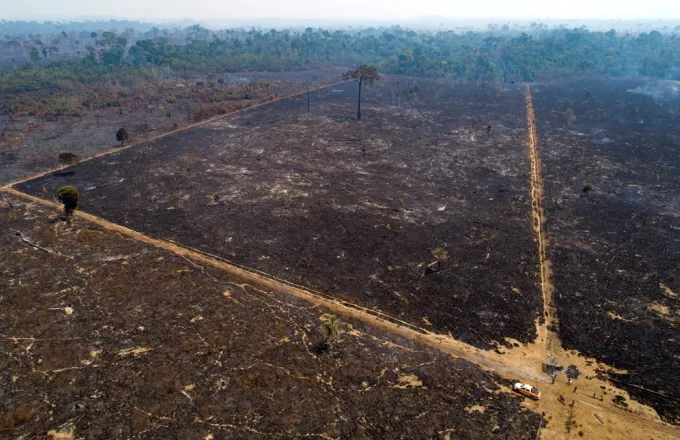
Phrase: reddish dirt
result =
(351, 209)
(107, 337)
(616, 249)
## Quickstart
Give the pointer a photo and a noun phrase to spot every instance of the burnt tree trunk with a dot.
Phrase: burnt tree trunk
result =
(359, 101)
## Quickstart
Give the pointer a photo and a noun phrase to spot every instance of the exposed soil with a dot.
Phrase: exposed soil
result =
(351, 209)
(107, 337)
(616, 247)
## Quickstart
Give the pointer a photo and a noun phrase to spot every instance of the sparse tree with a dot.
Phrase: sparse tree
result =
(441, 255)
(68, 195)
(330, 327)
(363, 73)
(122, 136)
(571, 117)
(588, 188)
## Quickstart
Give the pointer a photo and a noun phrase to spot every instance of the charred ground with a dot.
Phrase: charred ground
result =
(616, 248)
(350, 209)
(107, 337)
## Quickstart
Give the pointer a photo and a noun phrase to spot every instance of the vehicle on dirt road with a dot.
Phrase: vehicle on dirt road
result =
(527, 390)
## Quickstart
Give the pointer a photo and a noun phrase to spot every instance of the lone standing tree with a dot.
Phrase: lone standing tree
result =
(68, 195)
(122, 135)
(362, 73)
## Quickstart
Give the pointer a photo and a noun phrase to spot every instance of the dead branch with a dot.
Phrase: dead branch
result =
(486, 225)
(645, 389)
(46, 250)
(480, 336)
(7, 201)
(49, 251)
(199, 267)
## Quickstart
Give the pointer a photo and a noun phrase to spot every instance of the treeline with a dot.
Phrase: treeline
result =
(21, 27)
(472, 55)
(499, 54)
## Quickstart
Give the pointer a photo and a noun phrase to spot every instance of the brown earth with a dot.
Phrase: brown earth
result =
(108, 337)
(351, 209)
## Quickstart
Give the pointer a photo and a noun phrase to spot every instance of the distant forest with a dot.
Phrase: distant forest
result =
(53, 56)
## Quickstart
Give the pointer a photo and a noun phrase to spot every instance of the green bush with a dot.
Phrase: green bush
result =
(68, 195)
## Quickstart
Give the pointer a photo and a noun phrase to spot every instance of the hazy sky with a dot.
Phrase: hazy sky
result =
(340, 9)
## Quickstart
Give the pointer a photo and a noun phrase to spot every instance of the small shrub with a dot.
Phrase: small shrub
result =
(441, 255)
(588, 188)
(68, 158)
(330, 327)
(188, 161)
(68, 195)
(122, 135)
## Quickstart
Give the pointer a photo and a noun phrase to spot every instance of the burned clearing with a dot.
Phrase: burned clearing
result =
(611, 164)
(108, 337)
(353, 210)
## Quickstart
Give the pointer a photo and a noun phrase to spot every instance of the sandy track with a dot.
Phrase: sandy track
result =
(539, 221)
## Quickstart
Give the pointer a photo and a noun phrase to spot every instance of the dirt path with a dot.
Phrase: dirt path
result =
(545, 328)
(524, 362)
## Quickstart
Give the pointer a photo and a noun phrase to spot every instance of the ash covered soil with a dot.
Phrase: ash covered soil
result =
(105, 337)
(350, 209)
(616, 249)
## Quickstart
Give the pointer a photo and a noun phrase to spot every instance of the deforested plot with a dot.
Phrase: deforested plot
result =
(611, 164)
(421, 210)
(104, 336)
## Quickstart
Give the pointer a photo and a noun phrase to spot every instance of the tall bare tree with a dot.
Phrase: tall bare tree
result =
(363, 73)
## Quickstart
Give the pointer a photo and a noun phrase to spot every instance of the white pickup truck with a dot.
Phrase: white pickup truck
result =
(527, 390)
